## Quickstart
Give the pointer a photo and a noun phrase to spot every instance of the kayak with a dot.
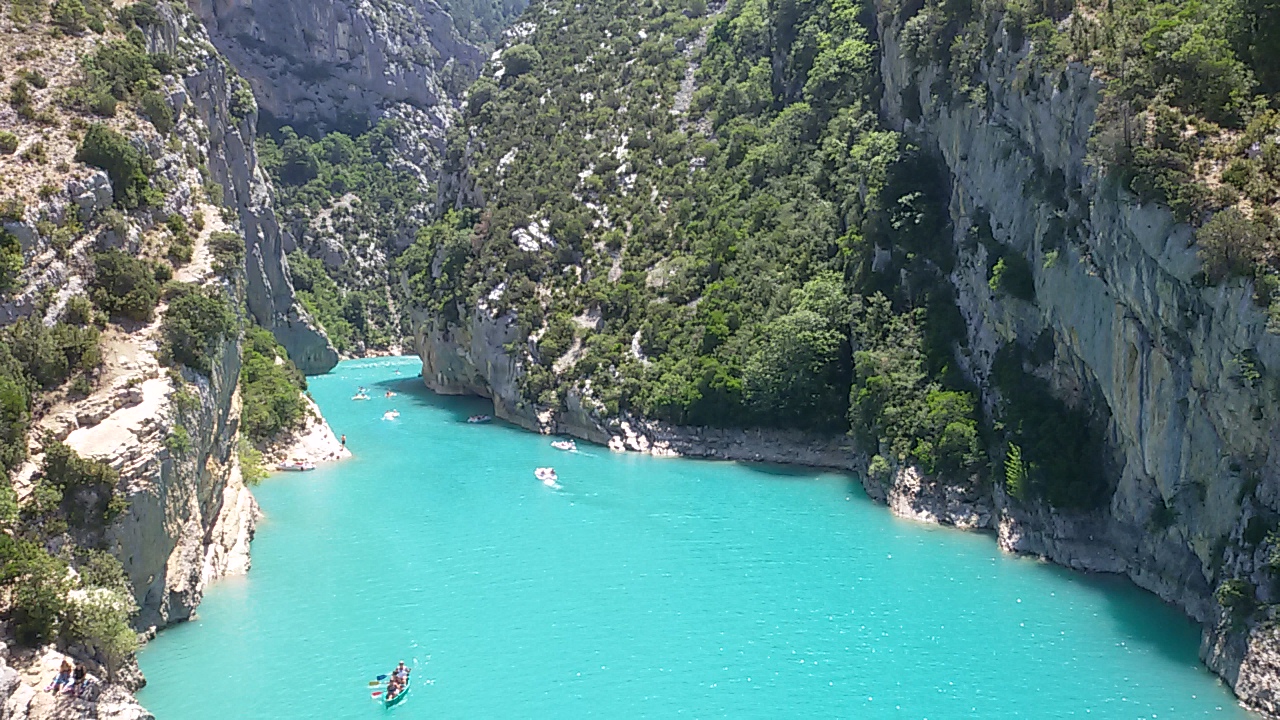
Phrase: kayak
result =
(391, 701)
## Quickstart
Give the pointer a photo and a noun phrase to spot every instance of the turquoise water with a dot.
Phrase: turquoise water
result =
(643, 588)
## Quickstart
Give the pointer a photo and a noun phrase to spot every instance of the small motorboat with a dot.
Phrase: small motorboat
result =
(296, 466)
(476, 419)
(390, 394)
(567, 445)
(391, 415)
(359, 396)
(548, 477)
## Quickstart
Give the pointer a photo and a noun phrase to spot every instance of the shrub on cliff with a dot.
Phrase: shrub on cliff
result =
(105, 148)
(69, 16)
(88, 486)
(10, 260)
(100, 616)
(520, 59)
(270, 386)
(156, 108)
(124, 285)
(8, 143)
(1237, 597)
(51, 355)
(14, 418)
(1231, 245)
(197, 321)
(39, 584)
(227, 249)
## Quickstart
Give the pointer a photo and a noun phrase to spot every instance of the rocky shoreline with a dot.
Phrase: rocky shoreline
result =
(315, 441)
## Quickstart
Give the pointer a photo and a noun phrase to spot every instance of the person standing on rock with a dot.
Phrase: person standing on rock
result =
(344, 441)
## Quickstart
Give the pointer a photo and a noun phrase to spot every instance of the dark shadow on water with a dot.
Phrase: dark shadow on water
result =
(1145, 619)
(785, 470)
(415, 393)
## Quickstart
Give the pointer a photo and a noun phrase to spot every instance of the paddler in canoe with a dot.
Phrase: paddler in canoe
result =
(397, 684)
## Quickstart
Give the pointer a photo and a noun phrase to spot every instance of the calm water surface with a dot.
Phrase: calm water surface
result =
(644, 588)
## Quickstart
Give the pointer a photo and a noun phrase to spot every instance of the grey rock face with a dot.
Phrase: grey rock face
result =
(1183, 376)
(332, 61)
(91, 195)
(233, 164)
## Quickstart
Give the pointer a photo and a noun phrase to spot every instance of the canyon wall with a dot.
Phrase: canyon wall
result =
(339, 64)
(172, 435)
(232, 163)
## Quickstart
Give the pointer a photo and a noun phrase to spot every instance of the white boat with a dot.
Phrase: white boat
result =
(567, 445)
(479, 419)
(295, 466)
(547, 476)
(391, 415)
(359, 396)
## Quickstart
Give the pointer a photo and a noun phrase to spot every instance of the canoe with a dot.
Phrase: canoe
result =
(389, 702)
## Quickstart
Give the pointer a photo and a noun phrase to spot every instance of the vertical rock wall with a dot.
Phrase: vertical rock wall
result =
(1183, 376)
(336, 63)
(232, 162)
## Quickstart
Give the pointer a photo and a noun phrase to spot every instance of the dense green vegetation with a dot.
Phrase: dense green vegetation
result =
(347, 192)
(270, 387)
(769, 256)
(482, 21)
(125, 165)
(10, 261)
(35, 358)
(76, 496)
(126, 286)
(197, 321)
(727, 249)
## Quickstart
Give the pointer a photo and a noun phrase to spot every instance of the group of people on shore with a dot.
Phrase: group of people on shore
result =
(73, 679)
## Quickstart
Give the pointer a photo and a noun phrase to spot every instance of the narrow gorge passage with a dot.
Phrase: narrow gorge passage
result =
(645, 587)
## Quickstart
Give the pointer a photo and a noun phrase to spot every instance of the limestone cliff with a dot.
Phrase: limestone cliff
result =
(172, 436)
(336, 63)
(1183, 376)
(233, 163)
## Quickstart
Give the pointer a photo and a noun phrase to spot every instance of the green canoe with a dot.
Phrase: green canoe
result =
(390, 701)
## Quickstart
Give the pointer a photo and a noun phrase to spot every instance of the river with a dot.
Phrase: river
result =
(643, 587)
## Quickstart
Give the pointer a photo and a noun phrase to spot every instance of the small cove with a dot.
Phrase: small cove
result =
(644, 588)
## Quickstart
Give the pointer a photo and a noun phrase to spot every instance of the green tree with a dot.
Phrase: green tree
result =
(69, 15)
(107, 149)
(125, 285)
(196, 322)
(520, 59)
(10, 260)
(102, 620)
(271, 387)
